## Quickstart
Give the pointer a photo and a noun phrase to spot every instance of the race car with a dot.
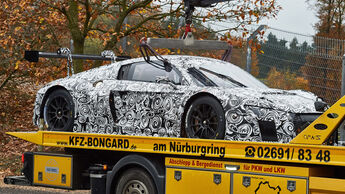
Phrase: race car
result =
(195, 97)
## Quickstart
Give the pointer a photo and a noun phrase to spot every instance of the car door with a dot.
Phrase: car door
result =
(142, 106)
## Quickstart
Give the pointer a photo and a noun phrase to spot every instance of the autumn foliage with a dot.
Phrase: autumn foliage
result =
(326, 58)
(287, 80)
(93, 26)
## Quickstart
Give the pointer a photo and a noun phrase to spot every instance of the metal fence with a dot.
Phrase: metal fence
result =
(289, 60)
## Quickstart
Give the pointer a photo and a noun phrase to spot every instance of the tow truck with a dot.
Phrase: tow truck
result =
(122, 164)
(136, 164)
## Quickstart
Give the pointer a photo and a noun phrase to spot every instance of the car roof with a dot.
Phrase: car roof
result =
(216, 65)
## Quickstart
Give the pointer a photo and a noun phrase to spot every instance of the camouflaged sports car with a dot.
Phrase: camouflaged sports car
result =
(197, 97)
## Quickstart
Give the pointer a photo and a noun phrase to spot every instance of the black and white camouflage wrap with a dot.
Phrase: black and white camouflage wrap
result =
(104, 104)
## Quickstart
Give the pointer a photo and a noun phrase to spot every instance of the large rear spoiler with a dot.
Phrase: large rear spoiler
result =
(33, 56)
(65, 53)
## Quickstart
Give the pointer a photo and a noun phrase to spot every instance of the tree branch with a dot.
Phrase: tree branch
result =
(63, 11)
(87, 19)
(7, 79)
(138, 25)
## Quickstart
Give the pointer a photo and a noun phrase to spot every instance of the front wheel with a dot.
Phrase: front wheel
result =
(205, 119)
(135, 181)
(59, 111)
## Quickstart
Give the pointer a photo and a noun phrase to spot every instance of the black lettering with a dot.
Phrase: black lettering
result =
(71, 140)
(260, 152)
(76, 140)
(300, 154)
(159, 147)
(280, 153)
(89, 141)
(187, 148)
(308, 157)
(193, 149)
(95, 142)
(208, 149)
(114, 144)
(267, 150)
(126, 144)
(107, 143)
(172, 146)
(82, 141)
(319, 155)
(119, 143)
(203, 150)
(101, 142)
(178, 148)
(222, 152)
(216, 150)
(327, 156)
(273, 153)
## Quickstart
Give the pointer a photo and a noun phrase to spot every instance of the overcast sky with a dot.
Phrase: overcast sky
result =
(296, 16)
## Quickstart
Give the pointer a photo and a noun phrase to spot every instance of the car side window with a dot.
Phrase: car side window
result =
(123, 72)
(144, 71)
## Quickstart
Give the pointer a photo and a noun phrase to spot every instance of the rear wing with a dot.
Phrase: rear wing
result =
(33, 56)
(65, 53)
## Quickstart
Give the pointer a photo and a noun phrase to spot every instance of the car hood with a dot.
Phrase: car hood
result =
(294, 101)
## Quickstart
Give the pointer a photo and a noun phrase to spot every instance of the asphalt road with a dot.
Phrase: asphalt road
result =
(17, 189)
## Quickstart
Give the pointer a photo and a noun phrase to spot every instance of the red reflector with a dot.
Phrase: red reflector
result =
(22, 158)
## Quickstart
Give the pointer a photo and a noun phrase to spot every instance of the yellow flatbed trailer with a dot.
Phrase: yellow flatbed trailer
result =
(136, 164)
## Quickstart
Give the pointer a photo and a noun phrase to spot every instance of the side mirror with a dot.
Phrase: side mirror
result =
(167, 66)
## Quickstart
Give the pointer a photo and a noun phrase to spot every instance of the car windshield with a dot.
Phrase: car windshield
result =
(220, 79)
(225, 74)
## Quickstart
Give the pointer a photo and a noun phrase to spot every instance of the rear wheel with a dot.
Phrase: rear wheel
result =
(135, 181)
(59, 111)
(205, 119)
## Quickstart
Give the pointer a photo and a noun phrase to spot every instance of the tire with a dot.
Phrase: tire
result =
(135, 180)
(205, 119)
(59, 111)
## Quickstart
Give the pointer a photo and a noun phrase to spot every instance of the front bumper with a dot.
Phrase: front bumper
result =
(263, 124)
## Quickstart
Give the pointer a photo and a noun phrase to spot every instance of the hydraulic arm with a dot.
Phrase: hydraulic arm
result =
(189, 9)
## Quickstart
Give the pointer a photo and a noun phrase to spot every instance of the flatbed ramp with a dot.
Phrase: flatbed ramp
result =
(277, 152)
(138, 164)
(218, 166)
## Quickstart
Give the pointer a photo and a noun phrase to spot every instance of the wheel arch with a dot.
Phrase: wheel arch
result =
(136, 161)
(46, 95)
(187, 105)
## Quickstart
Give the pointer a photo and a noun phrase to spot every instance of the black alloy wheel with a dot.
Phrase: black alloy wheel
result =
(59, 111)
(135, 181)
(205, 119)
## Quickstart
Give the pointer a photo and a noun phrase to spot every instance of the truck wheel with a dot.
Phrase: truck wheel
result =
(205, 119)
(59, 111)
(135, 181)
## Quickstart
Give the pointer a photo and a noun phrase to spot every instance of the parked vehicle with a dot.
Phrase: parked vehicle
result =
(184, 96)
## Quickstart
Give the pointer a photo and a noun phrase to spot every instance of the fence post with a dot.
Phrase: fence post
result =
(249, 58)
(249, 49)
(343, 77)
(72, 46)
